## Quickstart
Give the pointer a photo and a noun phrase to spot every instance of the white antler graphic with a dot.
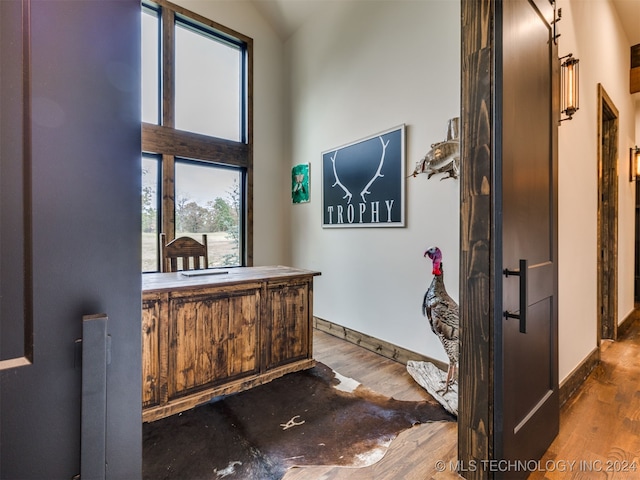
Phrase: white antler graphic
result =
(365, 190)
(338, 182)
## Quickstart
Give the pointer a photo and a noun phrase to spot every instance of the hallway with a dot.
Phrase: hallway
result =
(600, 425)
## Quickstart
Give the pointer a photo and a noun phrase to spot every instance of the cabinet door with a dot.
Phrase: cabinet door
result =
(287, 326)
(150, 351)
(214, 338)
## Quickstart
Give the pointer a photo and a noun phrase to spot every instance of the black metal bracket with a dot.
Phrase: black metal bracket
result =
(557, 16)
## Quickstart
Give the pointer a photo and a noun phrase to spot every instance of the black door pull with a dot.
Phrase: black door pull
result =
(522, 314)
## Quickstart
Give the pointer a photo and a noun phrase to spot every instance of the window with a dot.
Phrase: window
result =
(196, 134)
(150, 211)
(208, 81)
(207, 201)
(150, 65)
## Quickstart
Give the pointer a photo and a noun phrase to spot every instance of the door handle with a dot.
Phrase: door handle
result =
(522, 315)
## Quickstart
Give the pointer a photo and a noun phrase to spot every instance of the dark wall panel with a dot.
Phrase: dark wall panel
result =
(85, 84)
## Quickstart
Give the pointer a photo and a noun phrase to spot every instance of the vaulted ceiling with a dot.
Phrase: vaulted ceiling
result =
(629, 13)
(286, 16)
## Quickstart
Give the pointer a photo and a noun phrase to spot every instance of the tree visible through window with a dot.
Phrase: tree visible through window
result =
(150, 212)
(196, 162)
(207, 202)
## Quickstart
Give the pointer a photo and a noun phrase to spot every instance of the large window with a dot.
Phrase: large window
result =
(196, 134)
(209, 81)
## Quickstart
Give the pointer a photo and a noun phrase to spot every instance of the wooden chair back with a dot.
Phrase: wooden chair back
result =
(186, 248)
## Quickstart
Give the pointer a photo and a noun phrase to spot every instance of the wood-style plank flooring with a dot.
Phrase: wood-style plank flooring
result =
(413, 454)
(599, 426)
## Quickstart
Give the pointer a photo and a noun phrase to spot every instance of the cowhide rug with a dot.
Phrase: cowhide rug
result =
(315, 417)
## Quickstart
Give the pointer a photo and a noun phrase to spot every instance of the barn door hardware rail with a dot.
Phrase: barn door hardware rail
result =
(557, 16)
(522, 315)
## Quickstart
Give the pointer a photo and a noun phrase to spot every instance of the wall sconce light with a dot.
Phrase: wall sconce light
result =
(569, 83)
(634, 164)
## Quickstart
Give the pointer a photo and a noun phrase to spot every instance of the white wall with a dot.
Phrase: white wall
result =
(591, 30)
(271, 189)
(361, 67)
(357, 69)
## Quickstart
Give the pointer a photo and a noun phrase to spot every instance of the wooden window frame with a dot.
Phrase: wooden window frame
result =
(170, 143)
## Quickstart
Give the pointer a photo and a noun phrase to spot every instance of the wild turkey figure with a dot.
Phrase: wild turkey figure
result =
(442, 312)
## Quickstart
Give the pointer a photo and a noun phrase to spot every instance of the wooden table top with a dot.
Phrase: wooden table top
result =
(156, 282)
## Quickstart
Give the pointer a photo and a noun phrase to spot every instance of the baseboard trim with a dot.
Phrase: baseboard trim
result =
(625, 325)
(575, 379)
(386, 349)
(393, 352)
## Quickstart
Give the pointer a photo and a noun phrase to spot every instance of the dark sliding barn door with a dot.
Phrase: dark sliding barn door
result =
(509, 402)
(70, 240)
(526, 388)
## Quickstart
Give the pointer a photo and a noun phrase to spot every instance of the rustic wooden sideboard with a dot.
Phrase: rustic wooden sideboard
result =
(220, 333)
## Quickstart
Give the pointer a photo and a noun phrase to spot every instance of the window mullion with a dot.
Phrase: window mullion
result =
(168, 68)
(168, 120)
(168, 196)
(160, 139)
(248, 191)
(248, 97)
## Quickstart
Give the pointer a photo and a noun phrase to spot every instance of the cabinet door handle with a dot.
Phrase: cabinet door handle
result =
(522, 314)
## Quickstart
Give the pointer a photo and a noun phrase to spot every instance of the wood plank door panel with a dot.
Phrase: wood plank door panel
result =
(288, 324)
(151, 314)
(242, 350)
(213, 339)
(527, 399)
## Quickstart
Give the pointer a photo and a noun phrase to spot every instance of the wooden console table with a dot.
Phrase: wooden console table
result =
(210, 335)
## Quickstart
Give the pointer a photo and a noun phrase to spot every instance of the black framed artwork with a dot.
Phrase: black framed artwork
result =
(363, 182)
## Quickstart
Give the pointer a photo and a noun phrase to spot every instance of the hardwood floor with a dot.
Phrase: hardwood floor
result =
(599, 426)
(414, 453)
